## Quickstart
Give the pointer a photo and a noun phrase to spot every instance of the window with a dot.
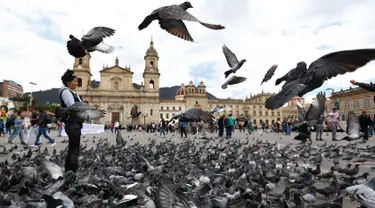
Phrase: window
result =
(255, 122)
(173, 108)
(347, 107)
(273, 122)
(366, 103)
(179, 108)
(260, 113)
(267, 121)
(162, 108)
(254, 113)
(173, 114)
(80, 61)
(161, 115)
(151, 112)
(272, 113)
(151, 84)
(343, 118)
(167, 107)
(151, 64)
(115, 85)
(356, 105)
(278, 113)
(266, 113)
(167, 115)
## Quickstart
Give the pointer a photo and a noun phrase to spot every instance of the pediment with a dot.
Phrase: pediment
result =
(116, 69)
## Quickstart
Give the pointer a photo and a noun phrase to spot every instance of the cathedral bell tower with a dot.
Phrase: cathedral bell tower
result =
(151, 73)
(82, 70)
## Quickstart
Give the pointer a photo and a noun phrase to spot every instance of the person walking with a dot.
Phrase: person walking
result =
(73, 125)
(364, 122)
(249, 126)
(117, 125)
(33, 130)
(229, 126)
(220, 126)
(319, 128)
(43, 122)
(334, 118)
(17, 129)
(182, 125)
(162, 127)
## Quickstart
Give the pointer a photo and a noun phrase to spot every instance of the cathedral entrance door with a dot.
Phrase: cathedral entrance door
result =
(115, 116)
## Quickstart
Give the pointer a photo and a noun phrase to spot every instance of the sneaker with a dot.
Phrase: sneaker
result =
(39, 144)
(53, 144)
(23, 143)
(10, 142)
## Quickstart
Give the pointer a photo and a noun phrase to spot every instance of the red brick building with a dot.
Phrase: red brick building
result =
(10, 89)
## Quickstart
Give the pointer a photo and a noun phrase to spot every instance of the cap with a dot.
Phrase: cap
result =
(363, 111)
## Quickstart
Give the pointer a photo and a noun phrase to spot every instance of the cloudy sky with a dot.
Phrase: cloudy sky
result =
(265, 32)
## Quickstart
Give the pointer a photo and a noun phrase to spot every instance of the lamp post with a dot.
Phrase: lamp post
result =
(144, 119)
(31, 92)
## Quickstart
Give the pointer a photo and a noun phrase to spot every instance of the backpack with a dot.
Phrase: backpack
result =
(48, 119)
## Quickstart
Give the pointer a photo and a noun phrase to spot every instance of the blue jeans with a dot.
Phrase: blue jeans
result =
(229, 131)
(59, 130)
(17, 131)
(162, 131)
(43, 131)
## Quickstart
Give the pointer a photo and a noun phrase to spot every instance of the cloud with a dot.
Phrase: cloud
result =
(34, 35)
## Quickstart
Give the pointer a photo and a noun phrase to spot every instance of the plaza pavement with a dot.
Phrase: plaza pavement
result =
(143, 138)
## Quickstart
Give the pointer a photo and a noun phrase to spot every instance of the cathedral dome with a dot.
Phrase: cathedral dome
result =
(181, 91)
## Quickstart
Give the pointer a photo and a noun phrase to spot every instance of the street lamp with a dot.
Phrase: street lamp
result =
(144, 119)
(31, 93)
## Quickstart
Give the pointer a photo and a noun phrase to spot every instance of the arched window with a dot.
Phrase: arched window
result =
(151, 84)
(151, 64)
(115, 85)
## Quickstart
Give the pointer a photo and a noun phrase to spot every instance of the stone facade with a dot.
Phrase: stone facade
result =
(117, 95)
(352, 99)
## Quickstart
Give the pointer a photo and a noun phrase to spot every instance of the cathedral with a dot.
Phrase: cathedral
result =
(117, 95)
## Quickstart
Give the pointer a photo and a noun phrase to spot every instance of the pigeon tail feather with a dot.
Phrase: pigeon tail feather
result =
(212, 26)
(224, 86)
(278, 81)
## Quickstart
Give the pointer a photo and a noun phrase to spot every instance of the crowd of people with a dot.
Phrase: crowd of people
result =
(37, 125)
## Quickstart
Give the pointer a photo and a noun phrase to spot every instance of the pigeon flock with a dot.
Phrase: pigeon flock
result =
(194, 172)
(199, 172)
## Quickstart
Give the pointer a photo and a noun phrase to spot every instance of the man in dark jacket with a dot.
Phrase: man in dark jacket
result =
(220, 124)
(42, 123)
(304, 133)
(364, 122)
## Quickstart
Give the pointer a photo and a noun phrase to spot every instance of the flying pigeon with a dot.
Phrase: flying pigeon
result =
(82, 111)
(194, 114)
(324, 68)
(171, 19)
(286, 93)
(92, 41)
(232, 81)
(269, 74)
(232, 60)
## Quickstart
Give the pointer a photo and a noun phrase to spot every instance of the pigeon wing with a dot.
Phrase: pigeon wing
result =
(80, 106)
(301, 109)
(177, 13)
(314, 112)
(103, 47)
(353, 127)
(336, 63)
(91, 114)
(230, 56)
(55, 170)
(67, 202)
(176, 28)
(97, 34)
(287, 92)
(236, 80)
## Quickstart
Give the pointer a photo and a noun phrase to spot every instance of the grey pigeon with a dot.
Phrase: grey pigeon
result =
(316, 109)
(353, 128)
(83, 111)
(322, 69)
(232, 60)
(194, 114)
(269, 74)
(286, 93)
(92, 41)
(171, 19)
(232, 81)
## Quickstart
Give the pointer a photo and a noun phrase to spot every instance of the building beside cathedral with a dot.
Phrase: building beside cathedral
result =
(353, 99)
(118, 96)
